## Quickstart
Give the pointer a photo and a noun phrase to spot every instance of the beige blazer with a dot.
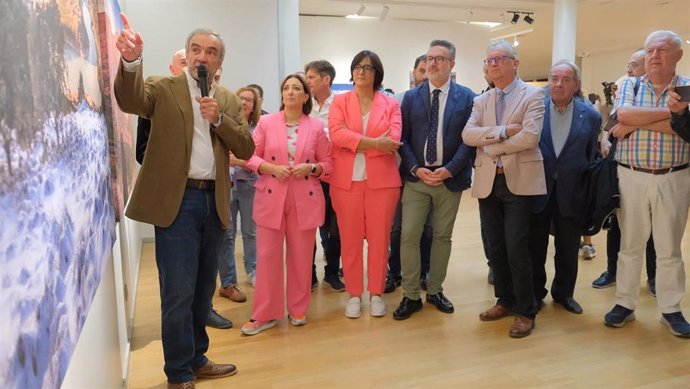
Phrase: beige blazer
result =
(522, 160)
(162, 179)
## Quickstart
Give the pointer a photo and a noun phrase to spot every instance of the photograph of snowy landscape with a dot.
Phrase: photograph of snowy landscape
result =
(56, 209)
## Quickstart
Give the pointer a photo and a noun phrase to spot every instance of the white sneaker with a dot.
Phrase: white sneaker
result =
(588, 251)
(252, 279)
(353, 309)
(378, 307)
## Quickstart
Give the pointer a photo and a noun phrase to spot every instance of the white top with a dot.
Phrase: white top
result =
(442, 98)
(359, 171)
(321, 113)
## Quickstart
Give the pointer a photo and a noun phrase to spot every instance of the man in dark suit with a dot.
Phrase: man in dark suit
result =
(179, 62)
(436, 168)
(568, 143)
(183, 189)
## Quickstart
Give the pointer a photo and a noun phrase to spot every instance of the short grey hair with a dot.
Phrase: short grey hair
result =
(502, 45)
(206, 31)
(666, 36)
(576, 70)
(444, 43)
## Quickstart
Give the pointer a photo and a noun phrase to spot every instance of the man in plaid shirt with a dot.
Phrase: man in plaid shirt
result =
(654, 182)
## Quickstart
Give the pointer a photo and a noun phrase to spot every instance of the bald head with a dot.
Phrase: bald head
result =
(179, 62)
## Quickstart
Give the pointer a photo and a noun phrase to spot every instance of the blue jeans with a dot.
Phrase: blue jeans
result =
(187, 260)
(242, 201)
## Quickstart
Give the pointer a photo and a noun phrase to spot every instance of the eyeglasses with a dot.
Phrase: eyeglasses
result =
(438, 59)
(247, 99)
(632, 64)
(497, 60)
(363, 68)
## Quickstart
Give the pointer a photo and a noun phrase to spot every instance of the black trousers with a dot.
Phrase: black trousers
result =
(506, 218)
(613, 245)
(567, 242)
(330, 237)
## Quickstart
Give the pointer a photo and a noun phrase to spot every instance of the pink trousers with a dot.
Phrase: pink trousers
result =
(362, 213)
(269, 289)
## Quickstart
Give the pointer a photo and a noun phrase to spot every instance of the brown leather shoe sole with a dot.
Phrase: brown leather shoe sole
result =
(496, 312)
(522, 327)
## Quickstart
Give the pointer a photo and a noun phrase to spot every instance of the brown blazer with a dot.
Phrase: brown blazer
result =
(522, 160)
(162, 179)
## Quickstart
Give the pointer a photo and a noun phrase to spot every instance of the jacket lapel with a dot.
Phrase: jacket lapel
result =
(281, 139)
(514, 102)
(548, 137)
(451, 101)
(376, 114)
(424, 94)
(303, 133)
(576, 124)
(353, 111)
(180, 90)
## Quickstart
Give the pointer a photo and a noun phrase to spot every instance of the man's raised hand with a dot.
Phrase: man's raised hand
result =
(129, 42)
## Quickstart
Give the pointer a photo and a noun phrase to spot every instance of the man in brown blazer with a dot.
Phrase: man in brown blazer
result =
(505, 126)
(183, 189)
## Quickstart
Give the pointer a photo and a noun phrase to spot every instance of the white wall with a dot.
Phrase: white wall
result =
(396, 42)
(249, 29)
(610, 66)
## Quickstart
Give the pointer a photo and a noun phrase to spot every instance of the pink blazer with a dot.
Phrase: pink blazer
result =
(345, 127)
(270, 138)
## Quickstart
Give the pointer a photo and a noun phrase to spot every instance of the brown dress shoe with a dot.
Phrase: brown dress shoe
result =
(233, 293)
(212, 370)
(496, 312)
(522, 326)
(184, 385)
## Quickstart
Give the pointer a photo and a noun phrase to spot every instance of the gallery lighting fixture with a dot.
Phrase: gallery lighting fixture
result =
(515, 41)
(516, 17)
(361, 9)
(528, 19)
(384, 13)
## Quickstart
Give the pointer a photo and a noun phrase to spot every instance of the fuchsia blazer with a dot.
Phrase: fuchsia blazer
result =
(270, 138)
(345, 127)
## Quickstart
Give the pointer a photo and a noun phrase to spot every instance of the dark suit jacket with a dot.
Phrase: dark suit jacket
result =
(680, 123)
(143, 132)
(416, 115)
(579, 150)
(162, 179)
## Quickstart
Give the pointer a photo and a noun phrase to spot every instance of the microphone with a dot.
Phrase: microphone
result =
(202, 73)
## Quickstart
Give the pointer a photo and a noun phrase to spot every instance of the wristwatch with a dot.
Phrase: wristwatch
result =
(313, 168)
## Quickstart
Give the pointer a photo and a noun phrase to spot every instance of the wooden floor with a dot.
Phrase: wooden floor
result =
(432, 349)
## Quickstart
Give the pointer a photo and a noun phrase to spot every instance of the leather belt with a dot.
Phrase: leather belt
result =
(655, 171)
(499, 170)
(201, 184)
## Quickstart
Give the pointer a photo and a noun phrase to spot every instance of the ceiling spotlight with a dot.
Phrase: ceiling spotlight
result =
(361, 9)
(528, 19)
(384, 13)
(515, 41)
(516, 17)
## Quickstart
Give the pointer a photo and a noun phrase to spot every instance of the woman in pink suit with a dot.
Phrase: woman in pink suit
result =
(292, 152)
(365, 130)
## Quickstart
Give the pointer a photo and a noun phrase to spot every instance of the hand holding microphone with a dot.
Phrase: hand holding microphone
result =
(207, 105)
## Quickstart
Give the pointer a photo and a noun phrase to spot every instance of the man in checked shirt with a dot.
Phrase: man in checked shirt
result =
(654, 182)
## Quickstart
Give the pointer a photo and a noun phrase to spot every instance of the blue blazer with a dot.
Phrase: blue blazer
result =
(579, 149)
(416, 115)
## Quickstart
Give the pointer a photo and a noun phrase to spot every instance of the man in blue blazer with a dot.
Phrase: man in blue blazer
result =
(568, 143)
(436, 168)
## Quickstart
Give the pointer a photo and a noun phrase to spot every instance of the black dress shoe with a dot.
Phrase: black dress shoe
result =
(441, 302)
(215, 320)
(406, 308)
(423, 279)
(570, 305)
(392, 283)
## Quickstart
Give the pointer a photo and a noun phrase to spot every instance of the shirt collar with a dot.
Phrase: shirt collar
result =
(191, 82)
(509, 88)
(444, 88)
(567, 107)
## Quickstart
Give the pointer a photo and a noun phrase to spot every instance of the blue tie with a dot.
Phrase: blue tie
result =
(433, 129)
